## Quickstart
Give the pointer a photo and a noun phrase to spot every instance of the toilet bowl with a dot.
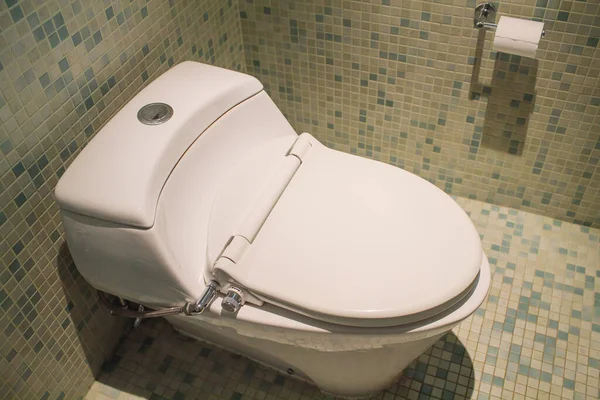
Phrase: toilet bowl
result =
(327, 266)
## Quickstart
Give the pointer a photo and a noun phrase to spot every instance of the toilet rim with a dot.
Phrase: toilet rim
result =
(404, 320)
(272, 316)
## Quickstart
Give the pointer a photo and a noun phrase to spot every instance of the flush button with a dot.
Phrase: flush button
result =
(155, 113)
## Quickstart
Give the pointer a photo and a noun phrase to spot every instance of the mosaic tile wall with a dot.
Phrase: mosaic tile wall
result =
(413, 84)
(65, 68)
(536, 336)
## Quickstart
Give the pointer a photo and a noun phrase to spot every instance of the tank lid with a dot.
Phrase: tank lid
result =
(119, 175)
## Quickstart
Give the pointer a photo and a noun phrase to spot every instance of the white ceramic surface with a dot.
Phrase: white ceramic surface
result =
(119, 175)
(238, 178)
(343, 360)
(165, 264)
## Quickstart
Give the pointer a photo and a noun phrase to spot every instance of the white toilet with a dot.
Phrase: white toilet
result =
(334, 268)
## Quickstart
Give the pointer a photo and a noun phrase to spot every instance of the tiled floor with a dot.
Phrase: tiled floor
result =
(536, 336)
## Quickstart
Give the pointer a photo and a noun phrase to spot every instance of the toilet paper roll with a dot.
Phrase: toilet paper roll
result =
(518, 36)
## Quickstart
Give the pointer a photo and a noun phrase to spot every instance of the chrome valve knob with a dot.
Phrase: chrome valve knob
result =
(208, 295)
(233, 301)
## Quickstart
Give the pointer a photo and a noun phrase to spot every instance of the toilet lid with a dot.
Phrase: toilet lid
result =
(362, 243)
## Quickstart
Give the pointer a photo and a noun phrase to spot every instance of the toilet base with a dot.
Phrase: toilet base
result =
(298, 375)
(344, 361)
(291, 373)
(354, 373)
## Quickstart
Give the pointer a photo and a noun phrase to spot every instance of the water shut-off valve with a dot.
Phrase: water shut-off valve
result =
(233, 301)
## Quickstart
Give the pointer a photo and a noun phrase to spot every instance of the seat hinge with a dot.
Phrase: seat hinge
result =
(225, 269)
(235, 249)
(275, 188)
(301, 146)
(227, 266)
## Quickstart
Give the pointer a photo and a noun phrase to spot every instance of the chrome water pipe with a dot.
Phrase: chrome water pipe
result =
(209, 294)
(123, 310)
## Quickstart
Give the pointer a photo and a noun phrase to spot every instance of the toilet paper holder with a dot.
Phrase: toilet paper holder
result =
(485, 15)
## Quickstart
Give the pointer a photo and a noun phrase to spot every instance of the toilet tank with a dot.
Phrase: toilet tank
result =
(136, 202)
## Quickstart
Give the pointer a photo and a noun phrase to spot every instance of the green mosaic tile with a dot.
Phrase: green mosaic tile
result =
(66, 67)
(499, 109)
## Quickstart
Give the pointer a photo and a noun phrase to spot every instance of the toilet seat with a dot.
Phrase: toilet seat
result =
(354, 242)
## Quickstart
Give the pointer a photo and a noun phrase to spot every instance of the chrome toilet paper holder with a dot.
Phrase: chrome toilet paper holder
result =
(485, 17)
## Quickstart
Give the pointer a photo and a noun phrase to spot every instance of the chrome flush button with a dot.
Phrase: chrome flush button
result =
(155, 113)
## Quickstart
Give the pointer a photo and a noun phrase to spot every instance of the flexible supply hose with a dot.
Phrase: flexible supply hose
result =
(125, 312)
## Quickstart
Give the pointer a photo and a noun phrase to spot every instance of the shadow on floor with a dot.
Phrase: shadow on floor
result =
(445, 371)
(98, 333)
(510, 103)
(155, 362)
(510, 98)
